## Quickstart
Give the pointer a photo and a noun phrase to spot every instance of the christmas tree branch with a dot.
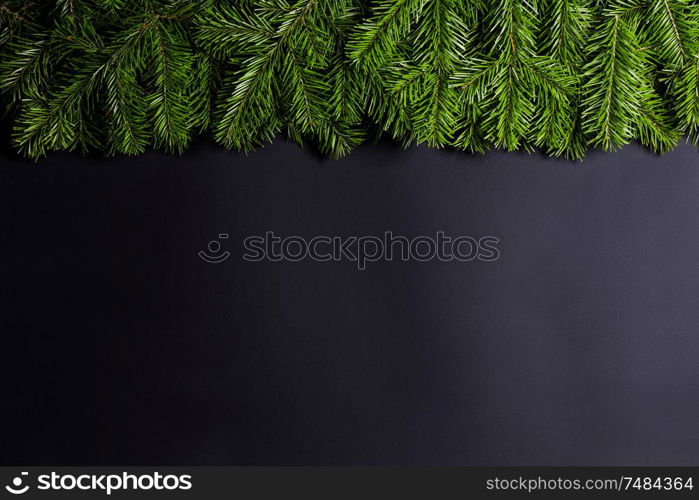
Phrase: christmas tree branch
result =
(563, 76)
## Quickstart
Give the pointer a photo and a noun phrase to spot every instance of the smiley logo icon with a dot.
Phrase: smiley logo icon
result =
(16, 487)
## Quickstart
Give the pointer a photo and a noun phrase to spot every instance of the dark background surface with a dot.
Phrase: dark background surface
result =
(579, 346)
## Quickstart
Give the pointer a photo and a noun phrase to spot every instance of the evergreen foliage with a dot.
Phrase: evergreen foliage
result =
(562, 76)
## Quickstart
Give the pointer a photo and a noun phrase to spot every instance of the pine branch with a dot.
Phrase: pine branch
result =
(126, 106)
(671, 31)
(560, 75)
(171, 62)
(28, 67)
(202, 90)
(564, 31)
(247, 113)
(348, 92)
(612, 81)
(376, 40)
(555, 88)
(230, 31)
(16, 17)
(439, 44)
(57, 122)
(502, 85)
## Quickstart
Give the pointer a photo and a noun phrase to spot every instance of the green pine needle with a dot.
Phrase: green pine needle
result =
(561, 76)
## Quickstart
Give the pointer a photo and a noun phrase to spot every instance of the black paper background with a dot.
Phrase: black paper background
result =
(579, 346)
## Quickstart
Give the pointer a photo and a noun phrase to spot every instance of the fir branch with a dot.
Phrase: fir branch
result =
(507, 95)
(171, 61)
(246, 117)
(612, 81)
(439, 44)
(375, 40)
(560, 75)
(563, 35)
(28, 67)
(670, 30)
(685, 92)
(126, 108)
(229, 31)
(202, 90)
